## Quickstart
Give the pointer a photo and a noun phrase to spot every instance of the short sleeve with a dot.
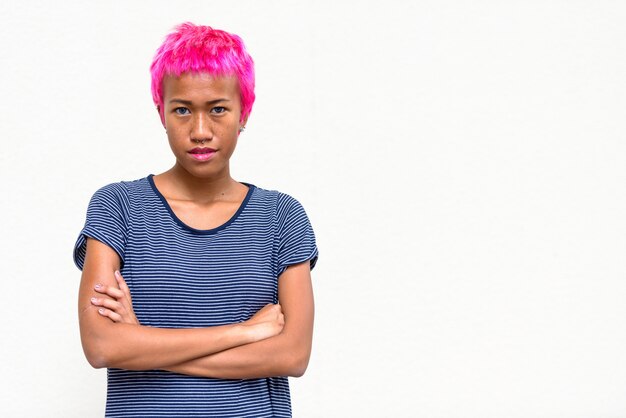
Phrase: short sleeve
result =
(296, 239)
(107, 221)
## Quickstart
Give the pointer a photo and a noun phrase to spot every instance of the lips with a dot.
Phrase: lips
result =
(202, 154)
(204, 150)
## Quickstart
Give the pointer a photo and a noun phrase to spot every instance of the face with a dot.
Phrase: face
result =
(201, 117)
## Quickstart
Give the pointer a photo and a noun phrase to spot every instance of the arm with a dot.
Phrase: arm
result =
(137, 347)
(286, 354)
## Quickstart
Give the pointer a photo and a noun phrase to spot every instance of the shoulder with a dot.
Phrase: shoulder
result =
(121, 189)
(288, 213)
(280, 201)
(117, 195)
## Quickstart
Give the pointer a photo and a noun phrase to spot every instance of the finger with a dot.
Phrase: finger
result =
(110, 304)
(109, 290)
(110, 314)
(122, 284)
(114, 306)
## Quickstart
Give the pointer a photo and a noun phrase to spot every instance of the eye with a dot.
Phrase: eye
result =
(181, 111)
(218, 109)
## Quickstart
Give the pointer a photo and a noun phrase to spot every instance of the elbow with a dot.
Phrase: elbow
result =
(97, 362)
(297, 371)
(107, 355)
(104, 352)
(100, 341)
(298, 363)
(98, 352)
(95, 357)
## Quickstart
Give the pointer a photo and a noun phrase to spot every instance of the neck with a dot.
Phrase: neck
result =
(184, 186)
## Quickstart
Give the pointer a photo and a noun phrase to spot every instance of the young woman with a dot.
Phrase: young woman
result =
(218, 270)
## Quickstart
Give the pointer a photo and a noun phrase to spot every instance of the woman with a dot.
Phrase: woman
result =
(218, 270)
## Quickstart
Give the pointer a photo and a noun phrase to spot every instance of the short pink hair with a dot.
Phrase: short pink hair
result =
(202, 49)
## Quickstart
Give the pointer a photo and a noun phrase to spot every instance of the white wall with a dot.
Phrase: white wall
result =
(462, 164)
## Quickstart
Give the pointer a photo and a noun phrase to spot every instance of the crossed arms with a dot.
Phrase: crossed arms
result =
(274, 342)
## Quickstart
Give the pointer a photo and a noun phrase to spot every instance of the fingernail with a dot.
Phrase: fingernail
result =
(101, 310)
(93, 299)
(98, 286)
(117, 273)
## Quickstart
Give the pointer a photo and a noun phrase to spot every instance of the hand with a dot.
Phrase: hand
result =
(267, 322)
(120, 308)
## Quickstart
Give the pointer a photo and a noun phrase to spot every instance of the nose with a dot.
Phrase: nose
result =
(201, 128)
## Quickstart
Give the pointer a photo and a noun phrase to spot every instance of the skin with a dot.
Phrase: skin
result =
(286, 354)
(198, 107)
(135, 347)
(277, 340)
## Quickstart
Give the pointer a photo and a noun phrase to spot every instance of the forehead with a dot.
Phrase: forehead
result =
(200, 87)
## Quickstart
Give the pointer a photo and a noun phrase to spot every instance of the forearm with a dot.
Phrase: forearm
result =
(281, 355)
(286, 354)
(137, 347)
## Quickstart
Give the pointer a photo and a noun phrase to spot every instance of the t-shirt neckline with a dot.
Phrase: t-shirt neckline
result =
(251, 188)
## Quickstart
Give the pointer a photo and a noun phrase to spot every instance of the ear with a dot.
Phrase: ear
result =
(161, 115)
(242, 124)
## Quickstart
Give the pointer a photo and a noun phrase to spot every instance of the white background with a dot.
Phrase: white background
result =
(462, 164)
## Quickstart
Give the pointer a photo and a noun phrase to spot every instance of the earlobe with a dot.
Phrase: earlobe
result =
(242, 124)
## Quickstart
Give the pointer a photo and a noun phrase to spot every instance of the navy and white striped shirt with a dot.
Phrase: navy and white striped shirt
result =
(181, 277)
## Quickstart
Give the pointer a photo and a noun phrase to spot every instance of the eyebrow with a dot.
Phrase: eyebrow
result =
(189, 103)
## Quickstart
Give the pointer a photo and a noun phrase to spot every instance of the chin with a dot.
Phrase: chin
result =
(205, 172)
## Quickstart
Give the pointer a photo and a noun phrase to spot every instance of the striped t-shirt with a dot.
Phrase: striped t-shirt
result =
(181, 277)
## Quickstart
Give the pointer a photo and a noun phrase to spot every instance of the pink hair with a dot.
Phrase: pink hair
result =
(202, 49)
